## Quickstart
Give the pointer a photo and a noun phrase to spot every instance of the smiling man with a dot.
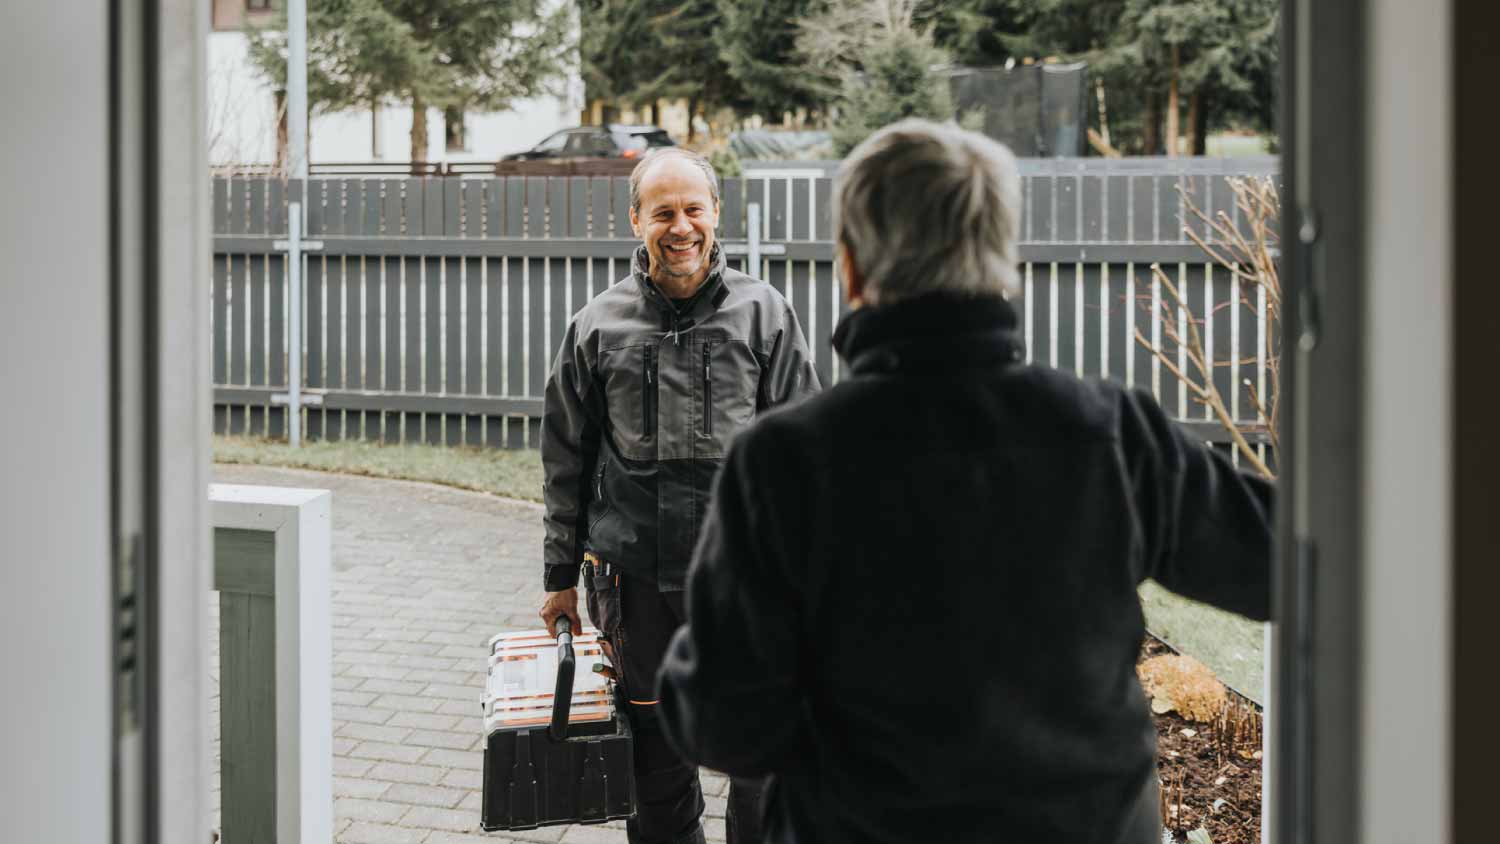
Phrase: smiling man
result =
(654, 378)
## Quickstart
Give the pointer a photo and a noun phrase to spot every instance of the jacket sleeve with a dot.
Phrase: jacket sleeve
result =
(1205, 525)
(570, 450)
(729, 684)
(787, 373)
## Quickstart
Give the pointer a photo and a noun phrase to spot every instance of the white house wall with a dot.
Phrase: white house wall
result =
(242, 120)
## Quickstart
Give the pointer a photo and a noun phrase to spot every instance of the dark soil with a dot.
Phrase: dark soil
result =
(1208, 764)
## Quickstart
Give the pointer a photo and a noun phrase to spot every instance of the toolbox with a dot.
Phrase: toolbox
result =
(557, 747)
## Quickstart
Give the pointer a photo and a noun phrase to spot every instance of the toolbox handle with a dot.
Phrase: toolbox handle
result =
(562, 698)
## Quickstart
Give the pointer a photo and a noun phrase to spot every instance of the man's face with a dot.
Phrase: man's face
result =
(676, 220)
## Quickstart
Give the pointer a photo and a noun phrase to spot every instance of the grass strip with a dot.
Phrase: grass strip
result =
(510, 473)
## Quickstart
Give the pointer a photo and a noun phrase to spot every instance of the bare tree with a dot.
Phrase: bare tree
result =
(1249, 251)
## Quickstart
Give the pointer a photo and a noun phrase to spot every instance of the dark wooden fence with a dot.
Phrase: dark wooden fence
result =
(435, 305)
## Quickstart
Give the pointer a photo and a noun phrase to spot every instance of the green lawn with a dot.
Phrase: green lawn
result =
(513, 474)
(1229, 645)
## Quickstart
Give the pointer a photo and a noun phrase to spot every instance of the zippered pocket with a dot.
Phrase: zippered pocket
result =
(648, 392)
(708, 389)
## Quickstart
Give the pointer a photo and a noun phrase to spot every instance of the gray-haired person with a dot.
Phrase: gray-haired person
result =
(914, 600)
(654, 377)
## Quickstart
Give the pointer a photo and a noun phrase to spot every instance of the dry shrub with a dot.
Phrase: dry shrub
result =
(1184, 684)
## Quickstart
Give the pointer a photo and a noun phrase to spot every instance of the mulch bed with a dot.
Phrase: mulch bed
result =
(1210, 773)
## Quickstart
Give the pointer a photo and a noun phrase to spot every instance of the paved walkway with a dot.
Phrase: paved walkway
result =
(423, 577)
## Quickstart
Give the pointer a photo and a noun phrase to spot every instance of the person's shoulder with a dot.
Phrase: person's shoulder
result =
(748, 287)
(613, 302)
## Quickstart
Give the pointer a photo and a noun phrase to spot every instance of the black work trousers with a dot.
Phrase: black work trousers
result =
(638, 620)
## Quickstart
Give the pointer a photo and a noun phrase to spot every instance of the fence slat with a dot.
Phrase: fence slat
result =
(536, 299)
(1040, 209)
(822, 329)
(773, 212)
(1117, 208)
(239, 202)
(412, 268)
(1143, 209)
(620, 200)
(276, 292)
(1169, 209)
(515, 295)
(732, 209)
(221, 319)
(452, 324)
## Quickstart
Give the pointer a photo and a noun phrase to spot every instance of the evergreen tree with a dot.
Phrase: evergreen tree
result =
(452, 54)
(641, 51)
(871, 56)
(756, 41)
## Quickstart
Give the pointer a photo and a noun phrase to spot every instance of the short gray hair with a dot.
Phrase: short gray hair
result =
(925, 207)
(661, 154)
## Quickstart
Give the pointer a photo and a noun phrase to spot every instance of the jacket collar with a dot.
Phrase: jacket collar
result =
(936, 330)
(712, 290)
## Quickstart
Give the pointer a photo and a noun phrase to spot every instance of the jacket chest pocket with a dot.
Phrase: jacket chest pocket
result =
(630, 376)
(728, 377)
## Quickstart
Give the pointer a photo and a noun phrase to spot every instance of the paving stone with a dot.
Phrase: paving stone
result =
(448, 820)
(370, 833)
(408, 703)
(427, 721)
(446, 740)
(377, 686)
(382, 751)
(453, 759)
(473, 802)
(359, 698)
(401, 772)
(425, 663)
(470, 693)
(411, 648)
(362, 788)
(376, 669)
(453, 677)
(713, 829)
(373, 732)
(344, 766)
(464, 778)
(362, 714)
(593, 835)
(715, 784)
(373, 811)
(425, 795)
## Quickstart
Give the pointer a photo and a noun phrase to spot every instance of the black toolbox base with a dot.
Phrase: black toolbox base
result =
(532, 779)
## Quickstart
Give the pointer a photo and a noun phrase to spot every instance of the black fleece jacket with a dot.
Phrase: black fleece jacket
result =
(914, 598)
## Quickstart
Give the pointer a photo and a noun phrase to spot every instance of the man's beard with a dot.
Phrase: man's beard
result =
(666, 268)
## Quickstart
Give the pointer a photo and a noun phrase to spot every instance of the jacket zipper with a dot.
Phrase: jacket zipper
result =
(599, 482)
(648, 394)
(708, 390)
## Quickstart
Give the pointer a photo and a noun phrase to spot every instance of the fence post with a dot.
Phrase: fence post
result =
(293, 398)
(272, 560)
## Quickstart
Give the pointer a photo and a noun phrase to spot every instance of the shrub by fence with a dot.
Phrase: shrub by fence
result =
(435, 305)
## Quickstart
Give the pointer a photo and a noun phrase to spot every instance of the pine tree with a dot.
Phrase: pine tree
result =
(452, 54)
(757, 43)
(879, 65)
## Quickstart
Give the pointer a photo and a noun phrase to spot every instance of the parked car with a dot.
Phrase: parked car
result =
(615, 140)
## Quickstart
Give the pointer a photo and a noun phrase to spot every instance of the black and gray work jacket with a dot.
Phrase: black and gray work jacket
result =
(641, 404)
